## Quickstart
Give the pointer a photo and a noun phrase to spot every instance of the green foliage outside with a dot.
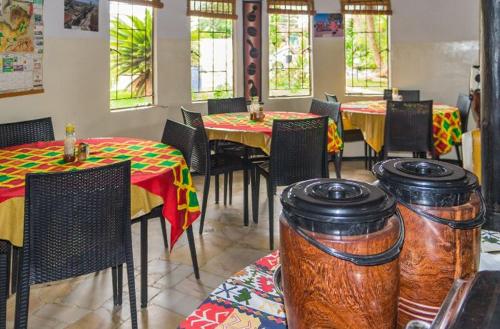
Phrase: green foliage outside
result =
(131, 55)
(289, 55)
(367, 53)
(206, 29)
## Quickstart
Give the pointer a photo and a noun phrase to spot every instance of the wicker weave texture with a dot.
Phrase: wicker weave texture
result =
(228, 105)
(24, 132)
(75, 223)
(408, 127)
(298, 150)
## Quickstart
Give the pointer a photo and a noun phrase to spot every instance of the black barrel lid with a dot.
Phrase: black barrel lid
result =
(426, 182)
(332, 201)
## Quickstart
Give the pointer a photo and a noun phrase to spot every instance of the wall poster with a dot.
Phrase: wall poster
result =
(81, 15)
(328, 25)
(21, 47)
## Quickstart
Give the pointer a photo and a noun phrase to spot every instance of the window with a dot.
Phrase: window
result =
(211, 58)
(289, 55)
(131, 52)
(367, 54)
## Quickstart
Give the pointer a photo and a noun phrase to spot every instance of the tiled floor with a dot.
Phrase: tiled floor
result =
(224, 248)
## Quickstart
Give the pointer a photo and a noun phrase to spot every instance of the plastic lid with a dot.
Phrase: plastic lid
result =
(70, 128)
(338, 206)
(426, 182)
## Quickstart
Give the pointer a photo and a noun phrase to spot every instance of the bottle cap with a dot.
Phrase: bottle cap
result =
(70, 128)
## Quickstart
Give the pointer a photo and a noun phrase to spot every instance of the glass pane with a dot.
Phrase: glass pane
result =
(211, 58)
(289, 55)
(367, 54)
(131, 55)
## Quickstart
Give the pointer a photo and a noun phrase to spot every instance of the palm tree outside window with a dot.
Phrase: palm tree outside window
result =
(131, 55)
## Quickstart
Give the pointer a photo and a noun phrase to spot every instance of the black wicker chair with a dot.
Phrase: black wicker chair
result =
(331, 98)
(408, 95)
(76, 223)
(18, 133)
(464, 105)
(227, 105)
(203, 162)
(24, 132)
(182, 138)
(408, 128)
(331, 110)
(230, 105)
(298, 152)
(5, 250)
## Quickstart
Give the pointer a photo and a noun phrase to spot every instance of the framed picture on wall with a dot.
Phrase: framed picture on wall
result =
(328, 25)
(81, 15)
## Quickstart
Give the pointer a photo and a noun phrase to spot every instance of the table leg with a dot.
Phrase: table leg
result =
(144, 263)
(4, 281)
(245, 189)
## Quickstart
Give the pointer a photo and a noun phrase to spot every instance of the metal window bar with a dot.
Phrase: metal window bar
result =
(212, 31)
(212, 8)
(147, 63)
(366, 7)
(363, 83)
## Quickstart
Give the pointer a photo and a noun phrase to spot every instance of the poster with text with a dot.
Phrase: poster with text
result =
(328, 25)
(21, 47)
(81, 15)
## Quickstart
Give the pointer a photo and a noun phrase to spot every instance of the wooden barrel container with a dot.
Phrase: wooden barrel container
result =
(339, 247)
(442, 216)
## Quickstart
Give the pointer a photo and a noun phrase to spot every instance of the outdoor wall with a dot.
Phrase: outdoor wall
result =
(434, 43)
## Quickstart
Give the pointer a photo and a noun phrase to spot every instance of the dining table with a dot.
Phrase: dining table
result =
(369, 117)
(252, 299)
(160, 176)
(239, 128)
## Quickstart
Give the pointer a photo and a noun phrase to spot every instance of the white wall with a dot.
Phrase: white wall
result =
(434, 43)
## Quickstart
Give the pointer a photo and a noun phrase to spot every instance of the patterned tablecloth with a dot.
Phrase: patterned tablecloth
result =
(249, 299)
(369, 116)
(159, 176)
(237, 127)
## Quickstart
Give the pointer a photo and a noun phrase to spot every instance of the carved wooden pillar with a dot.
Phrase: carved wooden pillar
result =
(490, 110)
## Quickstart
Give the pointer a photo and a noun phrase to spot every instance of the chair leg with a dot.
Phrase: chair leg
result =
(16, 253)
(192, 249)
(245, 197)
(114, 275)
(216, 189)
(164, 232)
(366, 156)
(22, 294)
(459, 156)
(131, 286)
(231, 188)
(206, 189)
(117, 273)
(255, 195)
(270, 200)
(337, 157)
(144, 263)
(226, 178)
(4, 285)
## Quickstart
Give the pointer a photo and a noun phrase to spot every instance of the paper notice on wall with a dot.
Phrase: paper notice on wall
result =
(21, 45)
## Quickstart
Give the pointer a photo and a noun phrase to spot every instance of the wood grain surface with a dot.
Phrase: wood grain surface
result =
(322, 291)
(433, 256)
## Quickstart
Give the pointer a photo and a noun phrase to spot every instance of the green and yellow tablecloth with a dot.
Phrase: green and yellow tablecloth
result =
(369, 116)
(237, 127)
(159, 175)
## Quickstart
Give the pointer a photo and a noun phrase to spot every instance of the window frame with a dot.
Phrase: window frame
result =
(389, 60)
(309, 49)
(232, 62)
(153, 96)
